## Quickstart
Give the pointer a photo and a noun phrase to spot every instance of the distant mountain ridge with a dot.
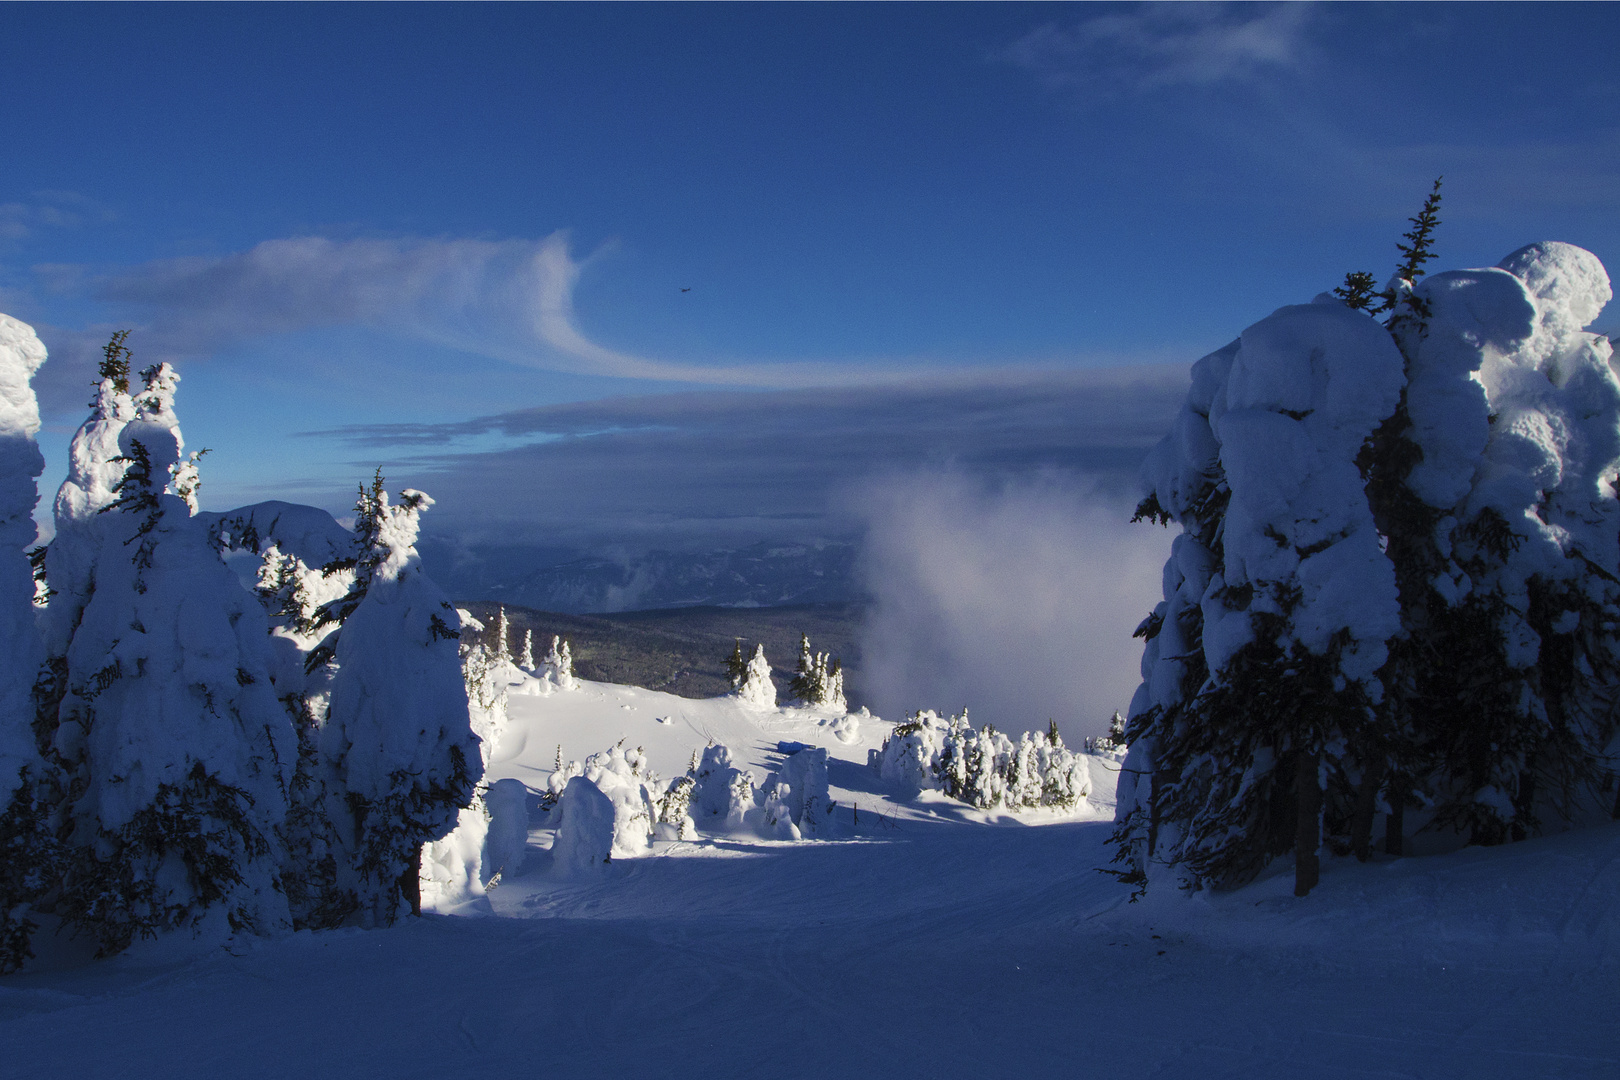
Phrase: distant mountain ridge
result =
(765, 574)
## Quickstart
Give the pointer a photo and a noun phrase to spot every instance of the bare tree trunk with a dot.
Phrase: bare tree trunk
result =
(1308, 832)
(410, 883)
(1524, 806)
(1361, 824)
(1395, 825)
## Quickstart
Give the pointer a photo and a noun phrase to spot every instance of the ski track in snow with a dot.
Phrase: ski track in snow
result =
(928, 943)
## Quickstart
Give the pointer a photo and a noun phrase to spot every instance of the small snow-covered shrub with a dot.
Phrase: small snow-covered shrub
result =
(775, 813)
(725, 793)
(756, 690)
(633, 796)
(558, 668)
(586, 828)
(507, 837)
(809, 804)
(983, 768)
(675, 812)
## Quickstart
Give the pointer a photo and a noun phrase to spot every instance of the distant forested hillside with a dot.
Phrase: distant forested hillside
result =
(683, 650)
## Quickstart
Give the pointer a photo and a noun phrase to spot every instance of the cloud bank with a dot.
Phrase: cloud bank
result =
(695, 469)
(1016, 599)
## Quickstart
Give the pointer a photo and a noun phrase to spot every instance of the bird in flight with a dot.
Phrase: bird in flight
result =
(686, 290)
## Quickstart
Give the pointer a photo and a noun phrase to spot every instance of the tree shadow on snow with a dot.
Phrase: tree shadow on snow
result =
(853, 777)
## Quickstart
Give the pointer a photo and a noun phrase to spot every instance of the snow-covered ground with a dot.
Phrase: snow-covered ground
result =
(933, 940)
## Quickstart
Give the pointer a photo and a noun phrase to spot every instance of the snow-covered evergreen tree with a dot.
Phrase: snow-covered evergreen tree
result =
(830, 693)
(526, 661)
(982, 767)
(455, 868)
(819, 680)
(809, 803)
(675, 810)
(757, 691)
(608, 809)
(307, 566)
(94, 470)
(723, 794)
(806, 679)
(1395, 582)
(737, 665)
(1514, 414)
(503, 636)
(559, 665)
(403, 757)
(28, 851)
(180, 754)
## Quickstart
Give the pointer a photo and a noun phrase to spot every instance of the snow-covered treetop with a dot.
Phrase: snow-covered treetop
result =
(1569, 284)
(21, 354)
(92, 470)
(397, 529)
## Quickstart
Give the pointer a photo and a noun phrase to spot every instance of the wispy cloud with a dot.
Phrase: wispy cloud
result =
(508, 300)
(22, 219)
(1167, 45)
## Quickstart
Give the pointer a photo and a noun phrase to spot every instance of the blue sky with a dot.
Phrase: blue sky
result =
(345, 219)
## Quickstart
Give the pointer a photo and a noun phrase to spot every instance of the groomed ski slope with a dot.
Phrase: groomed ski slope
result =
(930, 943)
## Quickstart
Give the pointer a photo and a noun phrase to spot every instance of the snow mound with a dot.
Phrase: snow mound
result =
(508, 835)
(586, 829)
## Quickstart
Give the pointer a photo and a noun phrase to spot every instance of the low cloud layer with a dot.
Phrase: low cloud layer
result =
(1015, 599)
(690, 470)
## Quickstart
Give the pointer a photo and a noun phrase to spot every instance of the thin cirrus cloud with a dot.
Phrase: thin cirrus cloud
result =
(1167, 45)
(46, 210)
(508, 300)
